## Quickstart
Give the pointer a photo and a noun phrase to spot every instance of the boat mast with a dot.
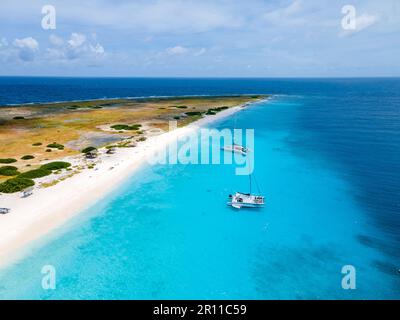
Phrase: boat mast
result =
(250, 178)
(234, 127)
(250, 182)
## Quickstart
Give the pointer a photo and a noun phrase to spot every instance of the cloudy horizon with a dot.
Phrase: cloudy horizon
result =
(175, 38)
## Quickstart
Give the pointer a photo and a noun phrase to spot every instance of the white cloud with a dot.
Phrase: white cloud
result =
(28, 43)
(56, 41)
(180, 50)
(26, 48)
(78, 46)
(177, 50)
(97, 49)
(76, 39)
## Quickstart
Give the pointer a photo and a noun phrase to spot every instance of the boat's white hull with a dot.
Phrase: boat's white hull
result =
(242, 200)
(237, 205)
(235, 149)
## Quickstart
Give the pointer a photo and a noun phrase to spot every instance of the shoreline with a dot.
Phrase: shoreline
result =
(49, 208)
(32, 104)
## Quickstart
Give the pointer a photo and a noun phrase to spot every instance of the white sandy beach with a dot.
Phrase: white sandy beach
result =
(48, 208)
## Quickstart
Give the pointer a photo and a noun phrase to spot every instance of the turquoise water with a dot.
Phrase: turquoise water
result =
(167, 233)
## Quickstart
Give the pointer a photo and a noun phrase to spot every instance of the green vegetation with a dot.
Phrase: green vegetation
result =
(218, 109)
(48, 150)
(55, 145)
(19, 118)
(56, 165)
(142, 139)
(89, 149)
(8, 171)
(126, 127)
(179, 107)
(8, 160)
(36, 144)
(37, 173)
(73, 107)
(76, 107)
(28, 157)
(16, 184)
(214, 111)
(177, 118)
(193, 113)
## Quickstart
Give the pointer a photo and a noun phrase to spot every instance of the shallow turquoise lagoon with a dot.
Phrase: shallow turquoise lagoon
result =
(167, 233)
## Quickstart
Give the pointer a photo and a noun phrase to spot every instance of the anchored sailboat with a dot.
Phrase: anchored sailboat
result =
(237, 148)
(246, 200)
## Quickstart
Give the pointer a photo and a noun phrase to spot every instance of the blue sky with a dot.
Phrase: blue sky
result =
(221, 38)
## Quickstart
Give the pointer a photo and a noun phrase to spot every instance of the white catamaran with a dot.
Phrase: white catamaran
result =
(246, 200)
(237, 148)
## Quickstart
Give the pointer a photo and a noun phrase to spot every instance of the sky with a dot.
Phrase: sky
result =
(200, 38)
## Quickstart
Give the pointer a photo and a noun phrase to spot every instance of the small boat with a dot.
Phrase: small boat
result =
(27, 192)
(110, 151)
(246, 200)
(4, 210)
(91, 154)
(236, 148)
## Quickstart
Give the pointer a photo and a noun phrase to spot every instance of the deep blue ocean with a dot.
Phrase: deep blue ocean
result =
(327, 158)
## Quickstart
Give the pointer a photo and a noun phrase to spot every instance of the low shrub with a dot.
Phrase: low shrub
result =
(88, 149)
(217, 109)
(48, 150)
(8, 160)
(8, 171)
(193, 113)
(36, 144)
(126, 127)
(27, 157)
(142, 139)
(16, 184)
(19, 118)
(37, 173)
(179, 107)
(55, 145)
(56, 165)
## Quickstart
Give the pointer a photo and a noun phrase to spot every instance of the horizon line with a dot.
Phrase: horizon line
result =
(203, 77)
